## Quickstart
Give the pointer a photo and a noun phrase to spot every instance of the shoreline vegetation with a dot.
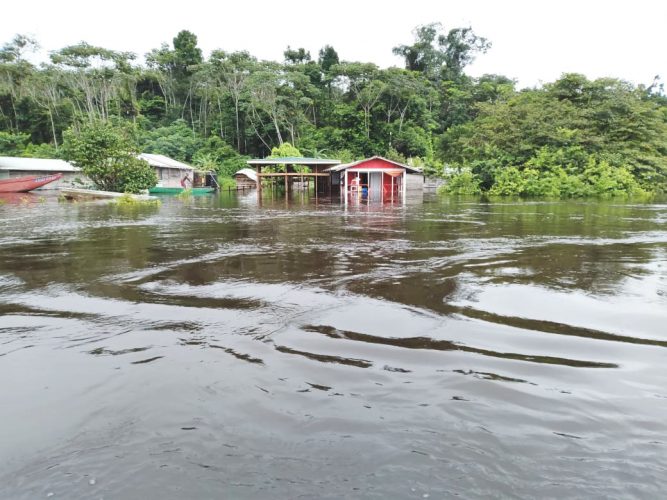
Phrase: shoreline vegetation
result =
(571, 138)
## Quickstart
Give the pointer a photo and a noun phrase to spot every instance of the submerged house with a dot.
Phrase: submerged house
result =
(246, 178)
(12, 167)
(376, 178)
(291, 169)
(169, 172)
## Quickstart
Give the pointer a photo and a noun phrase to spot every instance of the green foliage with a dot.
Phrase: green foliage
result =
(39, 151)
(106, 153)
(177, 141)
(285, 150)
(439, 55)
(186, 194)
(328, 57)
(464, 183)
(394, 155)
(127, 200)
(573, 137)
(296, 56)
(598, 179)
(227, 183)
(12, 144)
(220, 157)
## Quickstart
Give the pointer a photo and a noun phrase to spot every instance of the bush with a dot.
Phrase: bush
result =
(176, 141)
(509, 182)
(12, 144)
(107, 155)
(462, 183)
(561, 173)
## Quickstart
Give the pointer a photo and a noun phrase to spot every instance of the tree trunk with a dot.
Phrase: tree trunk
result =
(53, 129)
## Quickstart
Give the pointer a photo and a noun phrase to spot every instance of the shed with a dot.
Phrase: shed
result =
(294, 168)
(169, 172)
(376, 178)
(246, 178)
(12, 167)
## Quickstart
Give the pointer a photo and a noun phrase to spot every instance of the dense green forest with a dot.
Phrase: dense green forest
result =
(572, 137)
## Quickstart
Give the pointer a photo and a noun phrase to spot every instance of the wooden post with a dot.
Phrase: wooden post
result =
(344, 191)
(405, 184)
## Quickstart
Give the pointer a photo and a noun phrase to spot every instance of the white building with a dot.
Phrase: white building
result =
(169, 172)
(12, 167)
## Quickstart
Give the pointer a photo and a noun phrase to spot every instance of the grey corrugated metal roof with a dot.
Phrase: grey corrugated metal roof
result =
(249, 173)
(345, 166)
(36, 164)
(162, 161)
(292, 160)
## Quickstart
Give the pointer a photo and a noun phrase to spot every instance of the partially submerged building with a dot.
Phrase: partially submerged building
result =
(169, 172)
(290, 169)
(377, 179)
(246, 178)
(12, 167)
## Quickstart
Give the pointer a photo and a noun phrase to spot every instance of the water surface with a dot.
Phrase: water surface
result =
(213, 348)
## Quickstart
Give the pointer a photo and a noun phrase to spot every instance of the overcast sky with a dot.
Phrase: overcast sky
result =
(533, 41)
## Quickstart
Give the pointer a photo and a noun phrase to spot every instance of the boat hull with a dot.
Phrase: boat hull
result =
(28, 183)
(179, 190)
(91, 194)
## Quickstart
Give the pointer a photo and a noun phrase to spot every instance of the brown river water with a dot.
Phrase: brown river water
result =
(214, 348)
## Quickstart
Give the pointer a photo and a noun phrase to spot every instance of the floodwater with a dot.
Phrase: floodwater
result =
(213, 348)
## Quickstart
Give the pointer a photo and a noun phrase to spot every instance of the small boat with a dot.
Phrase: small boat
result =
(28, 183)
(179, 190)
(91, 194)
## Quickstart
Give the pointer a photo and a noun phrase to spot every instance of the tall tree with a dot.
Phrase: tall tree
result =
(328, 57)
(14, 69)
(440, 55)
(296, 56)
(231, 72)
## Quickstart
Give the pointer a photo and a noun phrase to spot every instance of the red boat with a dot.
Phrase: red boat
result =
(25, 184)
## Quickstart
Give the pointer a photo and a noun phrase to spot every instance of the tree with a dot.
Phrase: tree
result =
(565, 126)
(285, 150)
(106, 153)
(175, 140)
(441, 56)
(14, 70)
(45, 91)
(296, 56)
(97, 79)
(364, 83)
(231, 72)
(14, 51)
(460, 46)
(174, 70)
(328, 57)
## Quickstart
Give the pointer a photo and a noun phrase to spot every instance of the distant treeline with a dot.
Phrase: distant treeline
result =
(572, 137)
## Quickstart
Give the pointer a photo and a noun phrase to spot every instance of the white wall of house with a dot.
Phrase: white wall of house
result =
(69, 179)
(414, 182)
(171, 177)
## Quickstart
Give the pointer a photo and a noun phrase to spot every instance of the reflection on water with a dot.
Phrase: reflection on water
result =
(214, 348)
